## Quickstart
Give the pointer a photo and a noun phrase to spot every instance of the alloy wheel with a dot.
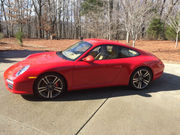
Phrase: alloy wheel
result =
(141, 78)
(50, 86)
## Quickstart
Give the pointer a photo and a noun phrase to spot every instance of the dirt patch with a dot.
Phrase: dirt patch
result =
(165, 50)
(36, 44)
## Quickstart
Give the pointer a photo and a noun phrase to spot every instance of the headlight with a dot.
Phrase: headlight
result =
(22, 70)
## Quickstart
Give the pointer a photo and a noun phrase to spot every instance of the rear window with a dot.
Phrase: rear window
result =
(126, 52)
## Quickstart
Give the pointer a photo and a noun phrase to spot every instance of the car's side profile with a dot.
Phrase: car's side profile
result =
(87, 64)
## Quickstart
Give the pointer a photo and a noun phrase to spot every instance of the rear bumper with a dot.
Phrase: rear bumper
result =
(157, 75)
(159, 71)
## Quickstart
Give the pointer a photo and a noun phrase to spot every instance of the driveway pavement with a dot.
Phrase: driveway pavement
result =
(104, 111)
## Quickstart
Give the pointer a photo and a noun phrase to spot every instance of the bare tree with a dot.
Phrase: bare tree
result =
(110, 19)
(17, 14)
(134, 18)
(166, 7)
(1, 17)
(125, 18)
(174, 23)
(28, 13)
(38, 5)
(5, 16)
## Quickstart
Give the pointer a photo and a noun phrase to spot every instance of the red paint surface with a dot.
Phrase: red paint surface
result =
(80, 74)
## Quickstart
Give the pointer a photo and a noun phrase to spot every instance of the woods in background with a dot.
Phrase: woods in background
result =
(110, 19)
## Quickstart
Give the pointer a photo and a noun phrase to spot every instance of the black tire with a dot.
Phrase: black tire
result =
(49, 86)
(141, 78)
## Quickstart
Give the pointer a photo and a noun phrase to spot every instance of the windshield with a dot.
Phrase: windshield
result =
(76, 50)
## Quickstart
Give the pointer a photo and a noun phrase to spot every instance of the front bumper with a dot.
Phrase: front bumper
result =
(19, 87)
(18, 84)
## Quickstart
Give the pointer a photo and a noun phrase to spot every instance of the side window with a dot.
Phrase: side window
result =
(101, 52)
(95, 51)
(105, 52)
(126, 52)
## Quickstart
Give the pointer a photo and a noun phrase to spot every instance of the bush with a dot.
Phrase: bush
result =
(156, 29)
(170, 33)
(19, 36)
(1, 35)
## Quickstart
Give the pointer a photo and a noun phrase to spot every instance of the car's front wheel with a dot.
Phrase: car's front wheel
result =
(49, 86)
(141, 78)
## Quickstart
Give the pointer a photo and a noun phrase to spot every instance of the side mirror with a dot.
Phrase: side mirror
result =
(89, 59)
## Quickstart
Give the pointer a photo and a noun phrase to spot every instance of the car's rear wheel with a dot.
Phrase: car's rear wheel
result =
(141, 78)
(49, 86)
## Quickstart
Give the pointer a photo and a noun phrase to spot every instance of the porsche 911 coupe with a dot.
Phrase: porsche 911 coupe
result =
(90, 63)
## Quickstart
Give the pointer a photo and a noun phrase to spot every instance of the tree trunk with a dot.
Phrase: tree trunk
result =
(0, 20)
(127, 37)
(134, 41)
(0, 26)
(28, 30)
(177, 36)
(109, 21)
(39, 26)
(110, 9)
(5, 17)
(162, 8)
(59, 23)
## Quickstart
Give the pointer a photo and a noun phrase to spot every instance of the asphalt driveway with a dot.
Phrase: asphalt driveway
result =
(104, 111)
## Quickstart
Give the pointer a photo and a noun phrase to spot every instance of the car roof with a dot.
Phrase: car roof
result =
(96, 42)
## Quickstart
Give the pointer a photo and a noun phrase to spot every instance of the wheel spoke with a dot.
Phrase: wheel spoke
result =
(135, 80)
(49, 94)
(146, 82)
(56, 80)
(58, 89)
(41, 89)
(45, 80)
(146, 74)
(139, 85)
(139, 73)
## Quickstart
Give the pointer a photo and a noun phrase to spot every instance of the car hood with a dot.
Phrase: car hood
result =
(43, 58)
(36, 61)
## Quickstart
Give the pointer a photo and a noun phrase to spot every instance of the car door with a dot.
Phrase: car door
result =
(101, 72)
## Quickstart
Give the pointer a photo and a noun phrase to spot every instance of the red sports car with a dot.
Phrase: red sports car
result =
(87, 64)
